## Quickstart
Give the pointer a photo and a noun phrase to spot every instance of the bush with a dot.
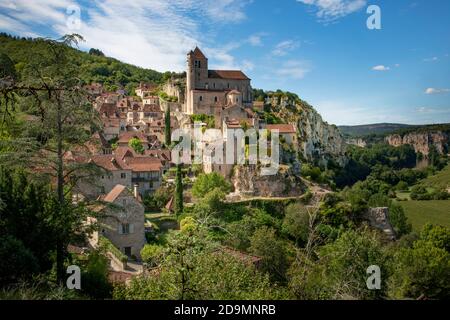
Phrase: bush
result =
(423, 270)
(208, 182)
(95, 277)
(18, 263)
(152, 254)
(106, 245)
(419, 192)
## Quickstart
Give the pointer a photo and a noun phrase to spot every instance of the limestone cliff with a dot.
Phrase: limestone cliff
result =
(421, 141)
(317, 140)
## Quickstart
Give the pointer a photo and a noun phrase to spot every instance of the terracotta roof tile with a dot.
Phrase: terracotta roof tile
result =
(227, 74)
(114, 193)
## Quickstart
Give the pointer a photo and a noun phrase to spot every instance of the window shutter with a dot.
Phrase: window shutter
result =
(120, 229)
(131, 228)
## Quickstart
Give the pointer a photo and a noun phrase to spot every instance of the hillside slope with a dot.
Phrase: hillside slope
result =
(112, 73)
(368, 129)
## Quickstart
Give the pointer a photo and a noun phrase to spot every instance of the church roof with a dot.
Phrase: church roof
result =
(198, 53)
(227, 74)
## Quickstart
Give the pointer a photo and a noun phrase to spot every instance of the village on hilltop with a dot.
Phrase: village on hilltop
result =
(224, 97)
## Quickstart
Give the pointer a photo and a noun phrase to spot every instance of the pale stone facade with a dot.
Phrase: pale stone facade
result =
(123, 222)
(207, 90)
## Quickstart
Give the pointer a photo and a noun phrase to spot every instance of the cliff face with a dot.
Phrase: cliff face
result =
(421, 141)
(317, 140)
(249, 183)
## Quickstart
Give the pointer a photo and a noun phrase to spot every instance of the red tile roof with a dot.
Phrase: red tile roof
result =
(109, 162)
(227, 74)
(127, 136)
(114, 193)
(143, 164)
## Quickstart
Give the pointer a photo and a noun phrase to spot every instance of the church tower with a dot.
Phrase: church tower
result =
(196, 77)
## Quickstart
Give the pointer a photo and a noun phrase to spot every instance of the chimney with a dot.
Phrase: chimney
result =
(136, 193)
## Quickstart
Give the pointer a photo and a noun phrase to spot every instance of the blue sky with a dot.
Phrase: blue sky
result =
(320, 49)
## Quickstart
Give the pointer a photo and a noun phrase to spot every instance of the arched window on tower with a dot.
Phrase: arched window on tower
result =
(200, 98)
(215, 99)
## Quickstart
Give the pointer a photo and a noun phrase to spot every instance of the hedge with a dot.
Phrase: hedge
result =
(107, 245)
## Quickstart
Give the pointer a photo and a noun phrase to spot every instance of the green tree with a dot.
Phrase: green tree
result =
(398, 219)
(195, 268)
(167, 129)
(179, 191)
(152, 254)
(208, 182)
(136, 144)
(344, 264)
(424, 269)
(7, 68)
(61, 119)
(296, 222)
(272, 251)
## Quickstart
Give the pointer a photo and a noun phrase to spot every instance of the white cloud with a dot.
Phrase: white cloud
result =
(381, 68)
(255, 40)
(293, 69)
(330, 10)
(155, 34)
(433, 59)
(436, 91)
(282, 48)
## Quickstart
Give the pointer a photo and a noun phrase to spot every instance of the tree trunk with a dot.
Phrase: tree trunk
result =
(60, 250)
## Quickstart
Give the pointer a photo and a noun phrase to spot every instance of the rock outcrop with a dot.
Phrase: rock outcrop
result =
(359, 142)
(317, 140)
(249, 183)
(421, 141)
(379, 218)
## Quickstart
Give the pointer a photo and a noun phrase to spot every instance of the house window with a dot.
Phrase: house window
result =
(228, 85)
(214, 85)
(215, 99)
(124, 202)
(125, 228)
(123, 175)
(201, 98)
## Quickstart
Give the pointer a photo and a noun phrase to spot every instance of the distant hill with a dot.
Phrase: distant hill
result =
(370, 129)
(94, 66)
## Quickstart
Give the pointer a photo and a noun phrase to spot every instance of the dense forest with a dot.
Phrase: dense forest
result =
(304, 248)
(93, 65)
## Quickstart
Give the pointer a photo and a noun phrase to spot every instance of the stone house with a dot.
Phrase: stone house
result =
(126, 168)
(122, 220)
(145, 90)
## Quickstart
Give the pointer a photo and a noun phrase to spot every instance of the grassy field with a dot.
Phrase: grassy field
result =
(421, 212)
(164, 221)
(441, 179)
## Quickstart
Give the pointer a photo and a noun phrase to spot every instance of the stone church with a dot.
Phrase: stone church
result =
(211, 91)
